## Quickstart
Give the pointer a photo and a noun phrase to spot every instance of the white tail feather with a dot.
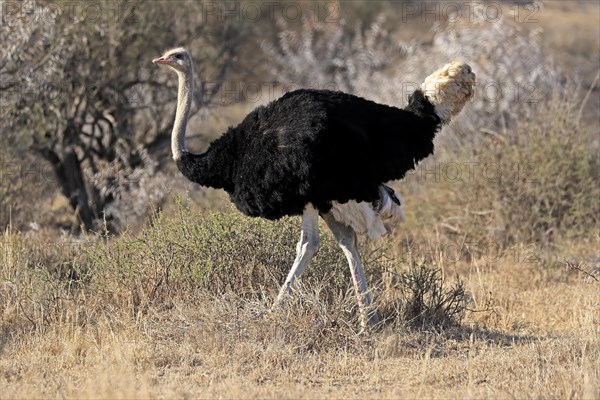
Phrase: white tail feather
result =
(365, 218)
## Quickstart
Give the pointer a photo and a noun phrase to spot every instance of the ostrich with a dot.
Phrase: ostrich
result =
(321, 153)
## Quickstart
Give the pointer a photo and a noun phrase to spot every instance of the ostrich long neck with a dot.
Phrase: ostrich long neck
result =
(184, 104)
(211, 168)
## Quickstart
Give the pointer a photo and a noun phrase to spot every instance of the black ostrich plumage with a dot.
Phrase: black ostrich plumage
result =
(314, 146)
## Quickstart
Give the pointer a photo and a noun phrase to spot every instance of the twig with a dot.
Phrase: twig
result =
(572, 267)
(487, 309)
(499, 137)
(27, 316)
(587, 96)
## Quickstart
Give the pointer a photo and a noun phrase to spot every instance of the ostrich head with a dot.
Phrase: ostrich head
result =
(449, 88)
(178, 58)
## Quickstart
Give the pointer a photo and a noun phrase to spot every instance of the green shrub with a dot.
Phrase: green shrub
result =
(550, 181)
(214, 252)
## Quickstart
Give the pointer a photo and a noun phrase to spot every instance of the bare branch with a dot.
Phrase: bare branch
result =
(579, 267)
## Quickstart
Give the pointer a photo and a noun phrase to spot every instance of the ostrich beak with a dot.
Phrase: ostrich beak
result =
(162, 60)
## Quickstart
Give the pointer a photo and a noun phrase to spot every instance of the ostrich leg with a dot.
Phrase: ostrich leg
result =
(346, 238)
(305, 250)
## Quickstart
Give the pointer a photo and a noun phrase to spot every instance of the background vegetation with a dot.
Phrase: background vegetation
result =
(118, 278)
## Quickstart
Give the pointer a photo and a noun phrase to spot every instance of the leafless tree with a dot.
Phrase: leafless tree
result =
(81, 90)
(513, 72)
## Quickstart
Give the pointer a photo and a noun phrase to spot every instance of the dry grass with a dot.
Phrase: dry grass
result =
(572, 33)
(135, 318)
